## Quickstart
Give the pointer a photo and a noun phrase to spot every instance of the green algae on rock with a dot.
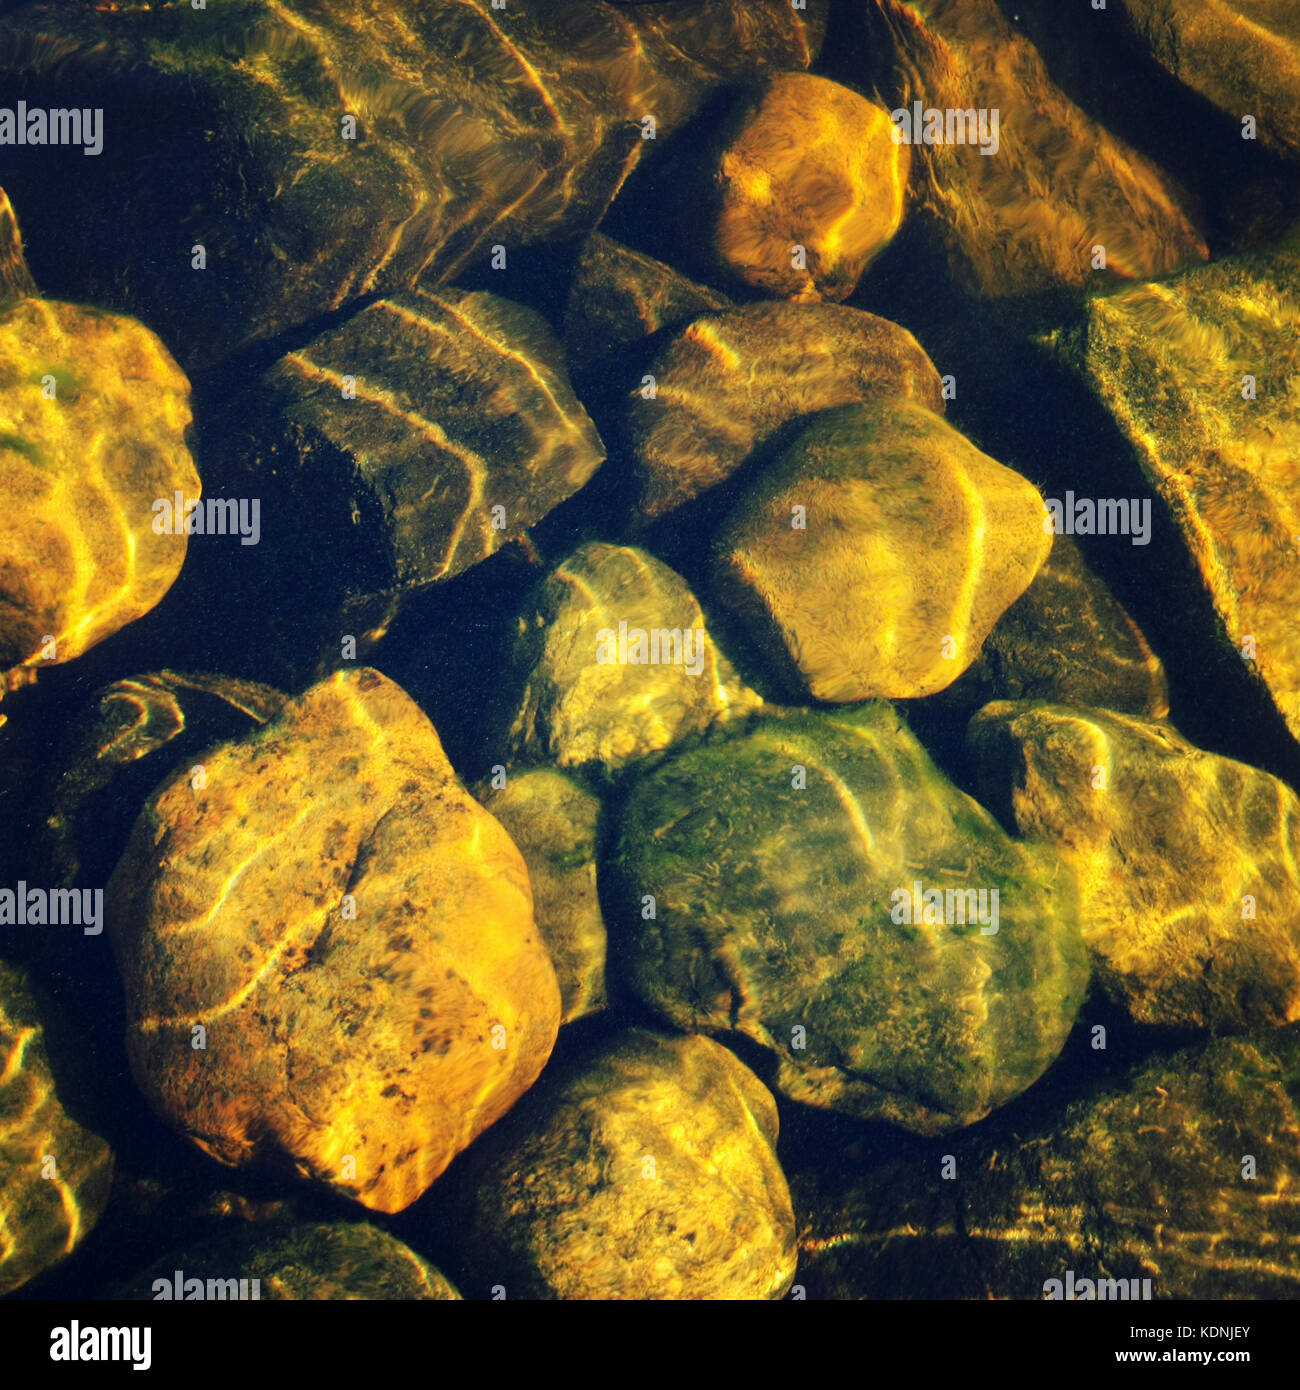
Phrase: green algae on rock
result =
(1186, 861)
(93, 421)
(1198, 374)
(328, 949)
(54, 1175)
(890, 513)
(726, 384)
(113, 745)
(809, 187)
(1067, 640)
(552, 821)
(1182, 1173)
(617, 664)
(303, 1260)
(1021, 206)
(444, 423)
(319, 151)
(645, 1170)
(781, 883)
(619, 297)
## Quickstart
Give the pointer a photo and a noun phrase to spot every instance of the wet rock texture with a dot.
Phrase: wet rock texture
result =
(1175, 365)
(874, 556)
(1027, 218)
(130, 735)
(1242, 55)
(579, 710)
(1190, 893)
(553, 821)
(353, 934)
(470, 128)
(810, 188)
(93, 420)
(776, 860)
(619, 297)
(1067, 640)
(54, 1175)
(727, 383)
(304, 1260)
(459, 405)
(650, 1173)
(1143, 1178)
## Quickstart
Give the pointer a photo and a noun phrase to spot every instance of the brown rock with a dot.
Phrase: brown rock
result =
(348, 935)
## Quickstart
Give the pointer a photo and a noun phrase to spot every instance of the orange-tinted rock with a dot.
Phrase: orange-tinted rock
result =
(328, 949)
(810, 188)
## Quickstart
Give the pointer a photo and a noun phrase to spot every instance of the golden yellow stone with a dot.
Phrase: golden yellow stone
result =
(328, 949)
(875, 555)
(812, 188)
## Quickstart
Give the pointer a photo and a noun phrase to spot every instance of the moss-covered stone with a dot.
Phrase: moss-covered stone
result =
(54, 1175)
(328, 949)
(646, 1170)
(552, 821)
(773, 884)
(605, 682)
(876, 553)
(338, 1261)
(1189, 890)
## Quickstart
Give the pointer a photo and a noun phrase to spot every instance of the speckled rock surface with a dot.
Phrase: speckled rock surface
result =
(774, 884)
(348, 935)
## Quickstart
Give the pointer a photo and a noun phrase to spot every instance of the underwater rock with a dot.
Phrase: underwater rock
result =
(873, 557)
(302, 155)
(107, 762)
(552, 821)
(646, 1170)
(328, 949)
(54, 1175)
(619, 297)
(1241, 55)
(1181, 1173)
(92, 433)
(299, 1261)
(809, 189)
(728, 382)
(1186, 861)
(780, 884)
(1068, 640)
(461, 430)
(1198, 374)
(15, 279)
(616, 664)
(1019, 206)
